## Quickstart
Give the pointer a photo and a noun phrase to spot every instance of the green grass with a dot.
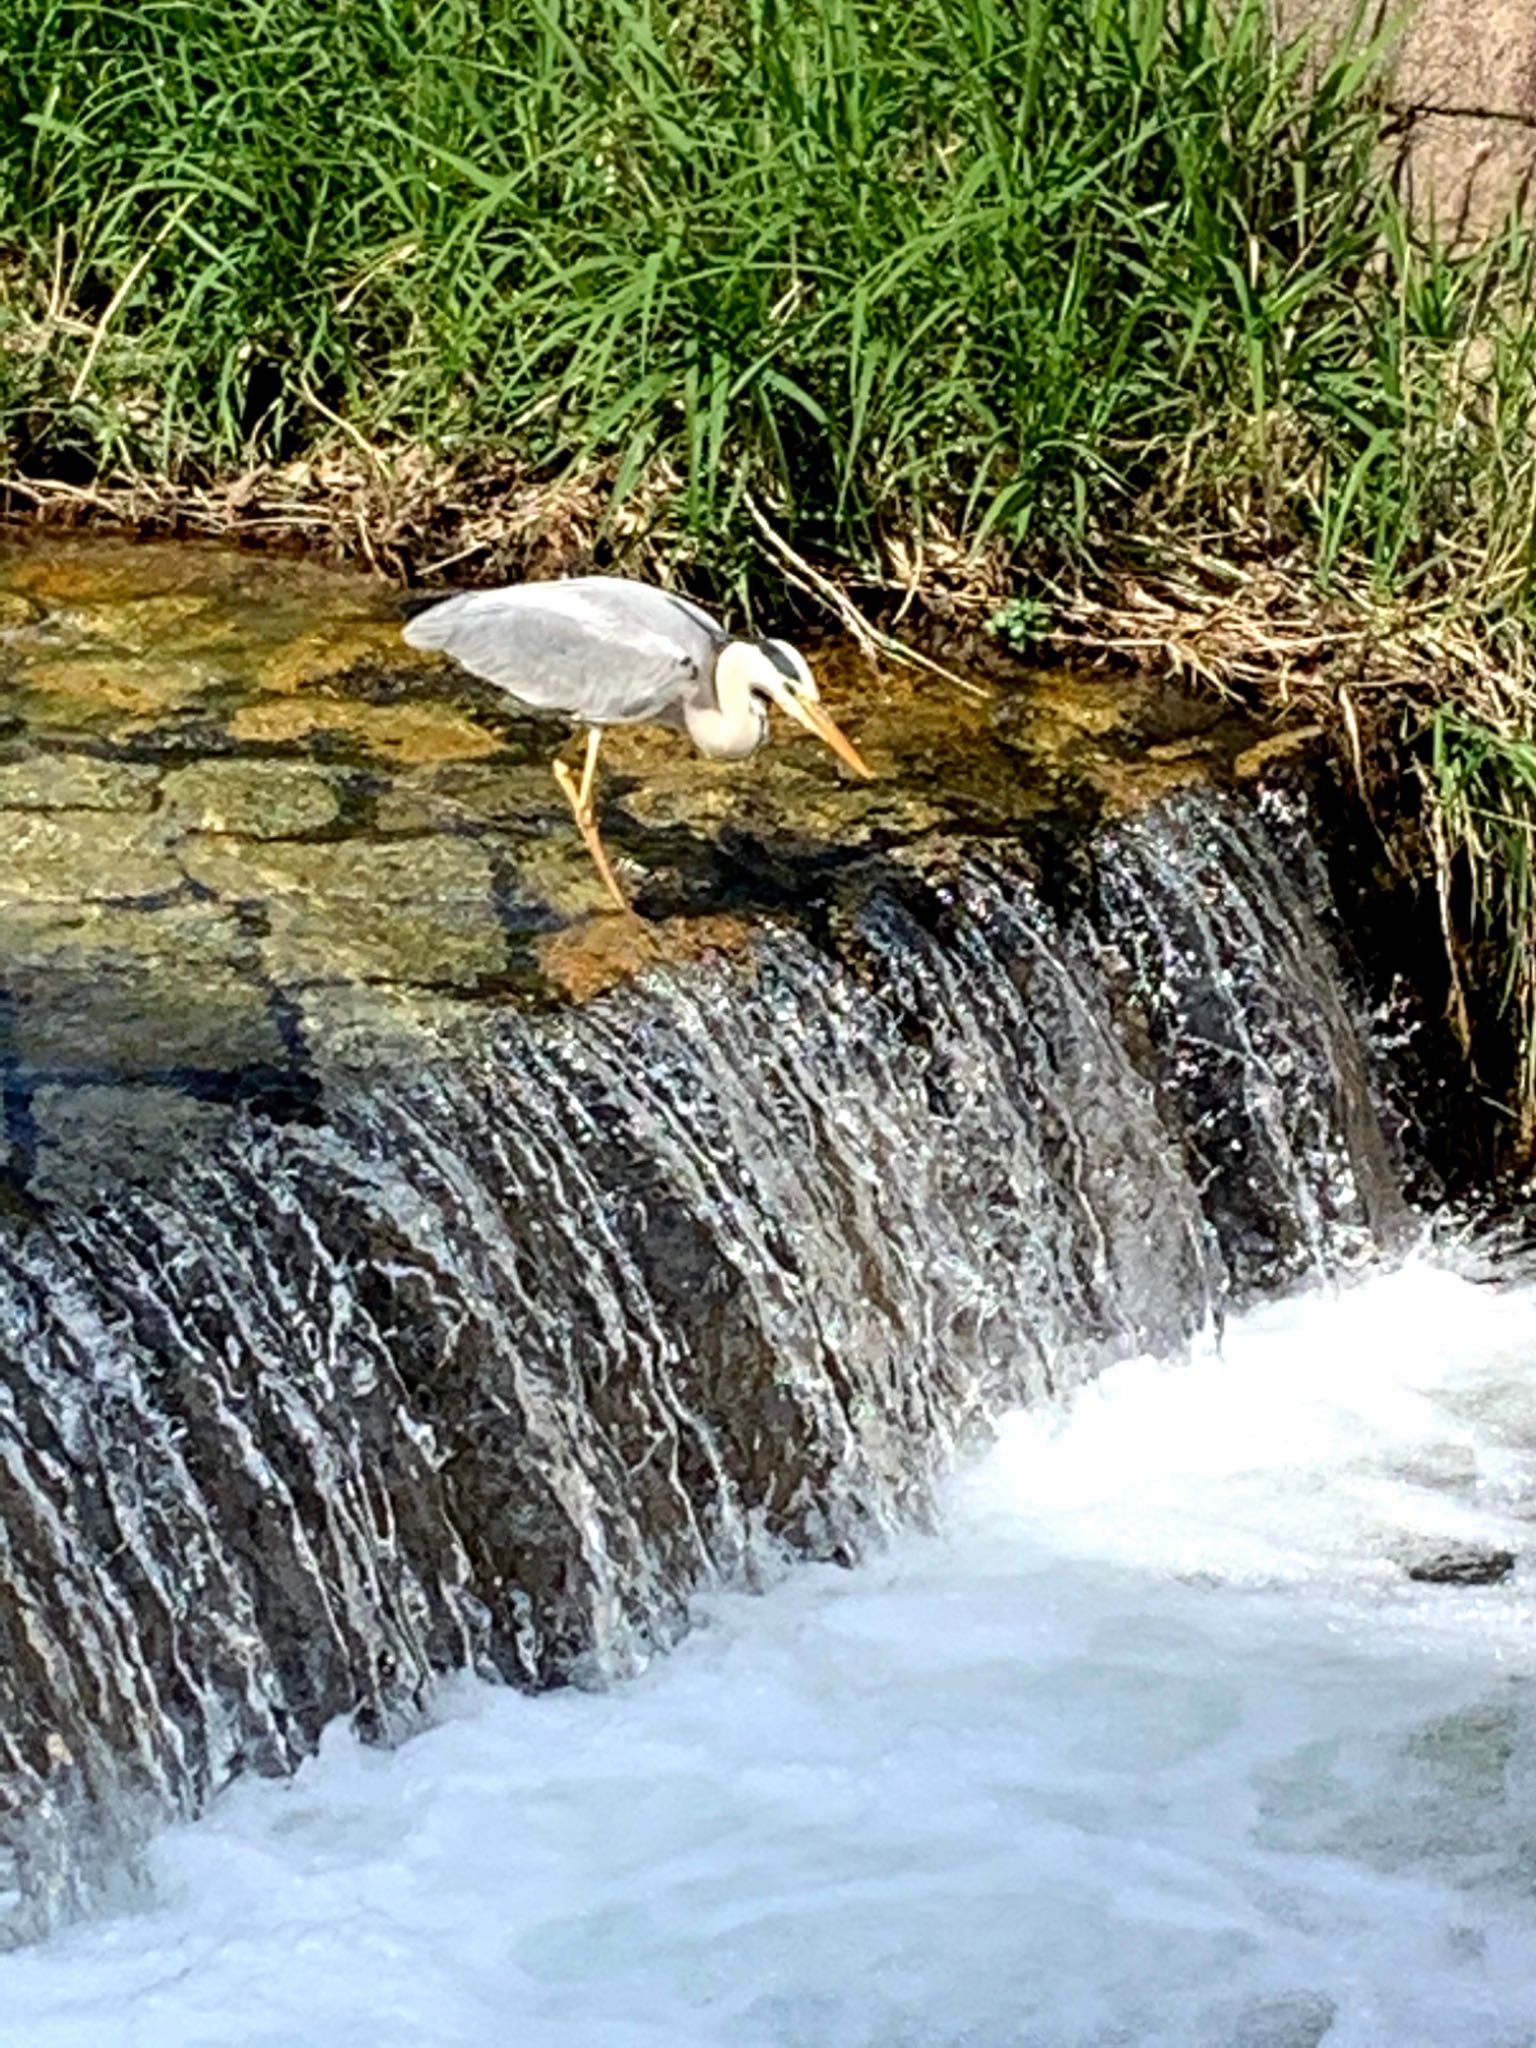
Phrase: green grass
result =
(1019, 271)
(1482, 794)
(1044, 282)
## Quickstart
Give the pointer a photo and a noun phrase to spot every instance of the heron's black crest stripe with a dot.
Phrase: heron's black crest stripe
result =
(780, 660)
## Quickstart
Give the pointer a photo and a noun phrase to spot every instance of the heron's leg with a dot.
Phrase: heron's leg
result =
(589, 766)
(579, 800)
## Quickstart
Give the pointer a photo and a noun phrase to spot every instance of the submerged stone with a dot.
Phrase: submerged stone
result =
(121, 991)
(86, 1136)
(76, 782)
(455, 796)
(410, 911)
(97, 690)
(70, 857)
(252, 799)
(332, 648)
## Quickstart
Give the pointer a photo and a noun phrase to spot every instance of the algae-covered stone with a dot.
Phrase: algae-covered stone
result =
(189, 719)
(783, 802)
(111, 990)
(96, 686)
(448, 796)
(549, 879)
(195, 933)
(141, 625)
(76, 782)
(405, 733)
(84, 857)
(366, 1029)
(90, 1135)
(253, 799)
(419, 911)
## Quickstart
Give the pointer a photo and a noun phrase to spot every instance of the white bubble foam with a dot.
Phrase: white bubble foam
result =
(1155, 1743)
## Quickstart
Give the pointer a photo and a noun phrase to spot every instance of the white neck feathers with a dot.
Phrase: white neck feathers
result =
(737, 723)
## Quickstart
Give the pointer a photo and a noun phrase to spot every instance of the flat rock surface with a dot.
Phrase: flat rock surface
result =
(248, 830)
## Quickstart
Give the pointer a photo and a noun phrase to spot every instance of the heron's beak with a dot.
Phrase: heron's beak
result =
(805, 711)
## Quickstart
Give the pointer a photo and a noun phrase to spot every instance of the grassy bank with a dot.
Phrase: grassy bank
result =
(1023, 275)
(1107, 308)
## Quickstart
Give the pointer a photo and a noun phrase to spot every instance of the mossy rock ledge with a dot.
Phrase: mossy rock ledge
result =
(252, 841)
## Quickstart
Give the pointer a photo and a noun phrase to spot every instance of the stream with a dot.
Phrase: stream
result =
(1151, 1741)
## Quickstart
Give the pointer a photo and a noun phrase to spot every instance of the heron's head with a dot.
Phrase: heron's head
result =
(776, 673)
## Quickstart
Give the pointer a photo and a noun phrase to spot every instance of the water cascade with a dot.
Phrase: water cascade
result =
(494, 1355)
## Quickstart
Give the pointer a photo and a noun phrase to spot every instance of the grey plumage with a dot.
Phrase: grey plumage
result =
(599, 648)
(607, 651)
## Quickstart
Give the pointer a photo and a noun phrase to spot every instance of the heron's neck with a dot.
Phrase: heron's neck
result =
(736, 724)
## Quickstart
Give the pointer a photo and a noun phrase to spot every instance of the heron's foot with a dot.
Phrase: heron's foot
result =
(580, 801)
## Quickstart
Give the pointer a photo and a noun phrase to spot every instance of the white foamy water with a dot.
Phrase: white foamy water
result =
(1154, 1743)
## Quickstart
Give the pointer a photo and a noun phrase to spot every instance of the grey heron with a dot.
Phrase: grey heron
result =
(604, 650)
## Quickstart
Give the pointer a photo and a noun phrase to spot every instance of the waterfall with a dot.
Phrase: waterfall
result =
(493, 1356)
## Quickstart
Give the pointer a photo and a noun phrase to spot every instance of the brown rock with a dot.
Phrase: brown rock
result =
(587, 958)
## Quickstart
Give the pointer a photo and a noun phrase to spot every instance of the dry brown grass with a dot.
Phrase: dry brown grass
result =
(410, 515)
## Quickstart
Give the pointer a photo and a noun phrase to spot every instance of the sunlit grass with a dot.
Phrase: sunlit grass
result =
(1482, 790)
(1022, 273)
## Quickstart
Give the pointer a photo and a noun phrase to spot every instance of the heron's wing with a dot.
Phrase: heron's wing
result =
(599, 648)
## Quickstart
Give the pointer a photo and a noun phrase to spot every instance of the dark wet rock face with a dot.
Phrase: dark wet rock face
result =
(402, 1268)
(1234, 987)
(1462, 1567)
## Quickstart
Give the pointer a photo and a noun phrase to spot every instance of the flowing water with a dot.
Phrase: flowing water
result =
(500, 1358)
(1153, 1741)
